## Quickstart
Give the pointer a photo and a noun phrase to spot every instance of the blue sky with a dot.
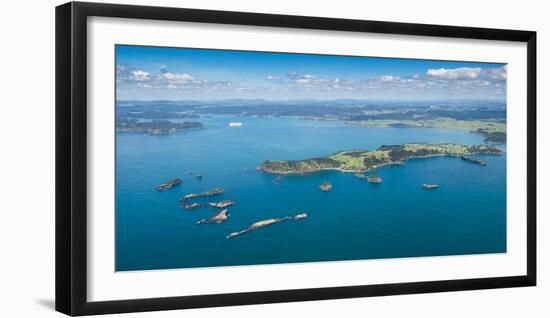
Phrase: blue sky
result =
(156, 73)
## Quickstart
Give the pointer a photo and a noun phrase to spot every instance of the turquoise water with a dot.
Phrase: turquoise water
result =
(356, 220)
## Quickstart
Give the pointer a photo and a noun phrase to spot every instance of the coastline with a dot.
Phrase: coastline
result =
(366, 160)
(355, 171)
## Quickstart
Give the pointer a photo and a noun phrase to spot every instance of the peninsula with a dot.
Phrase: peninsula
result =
(364, 160)
(494, 131)
(155, 126)
(474, 160)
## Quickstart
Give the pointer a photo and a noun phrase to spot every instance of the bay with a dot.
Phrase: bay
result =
(356, 220)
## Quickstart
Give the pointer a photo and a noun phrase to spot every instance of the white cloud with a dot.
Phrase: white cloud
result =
(389, 78)
(435, 82)
(139, 76)
(175, 79)
(303, 81)
(469, 73)
(120, 69)
(306, 80)
(497, 73)
(463, 81)
(129, 78)
(455, 73)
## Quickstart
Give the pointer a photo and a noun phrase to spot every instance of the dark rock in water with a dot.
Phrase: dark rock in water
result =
(210, 193)
(325, 186)
(360, 175)
(474, 160)
(216, 218)
(192, 206)
(300, 216)
(374, 179)
(268, 222)
(169, 184)
(429, 186)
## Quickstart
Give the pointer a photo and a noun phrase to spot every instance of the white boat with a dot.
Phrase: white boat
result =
(235, 124)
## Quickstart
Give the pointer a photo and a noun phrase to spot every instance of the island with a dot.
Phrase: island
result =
(221, 204)
(268, 222)
(169, 184)
(192, 206)
(215, 191)
(217, 218)
(374, 178)
(155, 126)
(325, 186)
(429, 186)
(364, 160)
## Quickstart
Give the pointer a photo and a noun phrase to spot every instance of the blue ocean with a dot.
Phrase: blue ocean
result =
(356, 220)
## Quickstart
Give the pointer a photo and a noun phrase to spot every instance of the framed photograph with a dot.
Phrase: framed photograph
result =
(209, 158)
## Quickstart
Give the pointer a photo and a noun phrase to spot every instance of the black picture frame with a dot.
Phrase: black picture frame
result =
(71, 157)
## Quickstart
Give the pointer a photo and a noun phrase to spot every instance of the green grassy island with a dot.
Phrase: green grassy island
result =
(493, 131)
(364, 160)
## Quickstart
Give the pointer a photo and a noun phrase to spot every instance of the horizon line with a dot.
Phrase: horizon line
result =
(310, 99)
